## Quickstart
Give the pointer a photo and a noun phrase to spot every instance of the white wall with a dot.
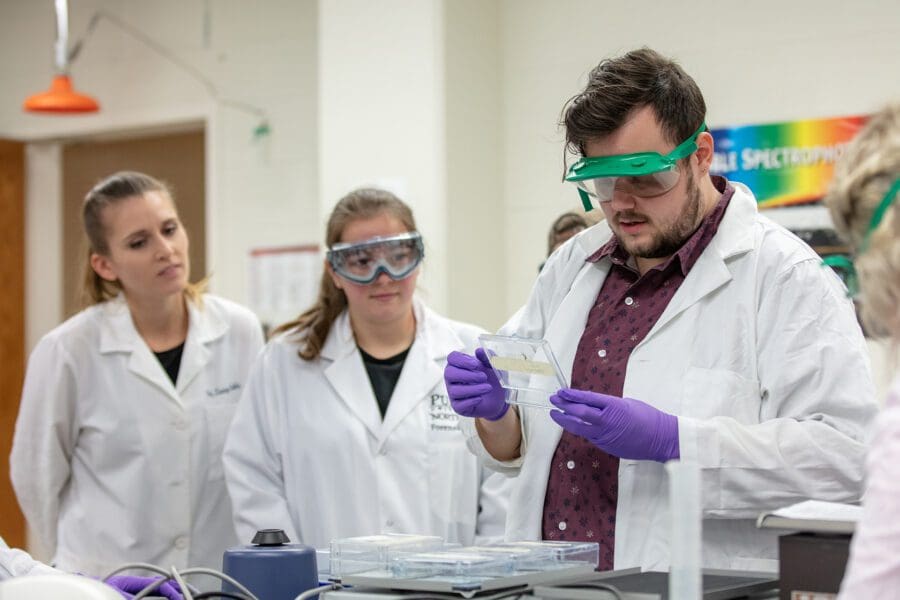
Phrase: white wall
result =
(381, 118)
(261, 192)
(43, 240)
(409, 99)
(756, 62)
(453, 103)
(475, 216)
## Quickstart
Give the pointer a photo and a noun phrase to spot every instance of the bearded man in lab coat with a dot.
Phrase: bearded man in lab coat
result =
(690, 327)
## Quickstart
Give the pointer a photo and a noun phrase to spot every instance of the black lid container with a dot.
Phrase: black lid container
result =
(271, 567)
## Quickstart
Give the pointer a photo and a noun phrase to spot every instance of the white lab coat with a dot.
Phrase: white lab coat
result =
(308, 451)
(112, 463)
(758, 353)
(14, 563)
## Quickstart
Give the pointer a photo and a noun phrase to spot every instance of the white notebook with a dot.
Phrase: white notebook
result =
(814, 516)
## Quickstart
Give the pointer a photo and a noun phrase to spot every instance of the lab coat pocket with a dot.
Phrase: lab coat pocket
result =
(719, 392)
(453, 483)
(217, 421)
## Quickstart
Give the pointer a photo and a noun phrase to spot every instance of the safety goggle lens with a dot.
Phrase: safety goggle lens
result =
(641, 186)
(362, 262)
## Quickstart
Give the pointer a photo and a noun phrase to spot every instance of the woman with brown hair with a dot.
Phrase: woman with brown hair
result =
(345, 428)
(118, 443)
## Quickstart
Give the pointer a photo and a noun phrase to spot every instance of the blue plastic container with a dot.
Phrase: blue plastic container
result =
(270, 567)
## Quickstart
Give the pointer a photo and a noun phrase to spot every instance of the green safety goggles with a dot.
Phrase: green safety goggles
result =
(642, 174)
(842, 262)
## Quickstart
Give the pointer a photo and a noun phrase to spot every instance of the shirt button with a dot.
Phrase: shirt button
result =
(389, 522)
(601, 353)
(181, 543)
(180, 424)
(570, 464)
(629, 301)
(562, 525)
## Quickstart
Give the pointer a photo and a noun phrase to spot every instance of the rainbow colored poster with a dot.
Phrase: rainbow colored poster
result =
(783, 163)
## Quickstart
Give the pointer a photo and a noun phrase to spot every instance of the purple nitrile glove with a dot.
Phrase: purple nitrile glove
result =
(622, 427)
(473, 386)
(128, 585)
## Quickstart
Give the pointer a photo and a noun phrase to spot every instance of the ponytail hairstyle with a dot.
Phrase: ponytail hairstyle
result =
(313, 325)
(115, 188)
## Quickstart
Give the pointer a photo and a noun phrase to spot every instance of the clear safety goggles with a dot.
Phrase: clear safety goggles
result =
(362, 262)
(843, 263)
(642, 174)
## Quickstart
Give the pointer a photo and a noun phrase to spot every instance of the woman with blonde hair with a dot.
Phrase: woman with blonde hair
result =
(863, 202)
(117, 449)
(345, 428)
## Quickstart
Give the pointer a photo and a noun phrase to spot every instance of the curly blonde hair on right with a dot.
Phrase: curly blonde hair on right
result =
(863, 175)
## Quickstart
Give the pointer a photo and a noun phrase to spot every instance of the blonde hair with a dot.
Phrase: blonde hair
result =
(115, 188)
(864, 173)
(568, 222)
(313, 325)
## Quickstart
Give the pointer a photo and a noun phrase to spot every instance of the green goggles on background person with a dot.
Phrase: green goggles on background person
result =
(642, 174)
(362, 262)
(844, 263)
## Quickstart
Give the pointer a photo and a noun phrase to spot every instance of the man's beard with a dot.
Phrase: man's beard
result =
(669, 240)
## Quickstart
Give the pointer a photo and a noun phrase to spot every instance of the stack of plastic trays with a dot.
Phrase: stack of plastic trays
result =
(525, 559)
(375, 552)
(547, 555)
(460, 565)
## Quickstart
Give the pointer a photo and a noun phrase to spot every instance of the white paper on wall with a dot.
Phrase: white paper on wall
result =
(284, 281)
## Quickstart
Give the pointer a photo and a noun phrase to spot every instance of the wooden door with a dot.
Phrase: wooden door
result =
(12, 325)
(176, 158)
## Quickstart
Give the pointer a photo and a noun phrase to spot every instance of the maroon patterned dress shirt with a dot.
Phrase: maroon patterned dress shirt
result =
(580, 503)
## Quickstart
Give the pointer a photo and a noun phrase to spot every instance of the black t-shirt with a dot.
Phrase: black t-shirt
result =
(383, 374)
(171, 361)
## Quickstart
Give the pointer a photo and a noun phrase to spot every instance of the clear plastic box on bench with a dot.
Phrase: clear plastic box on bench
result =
(375, 552)
(559, 554)
(455, 563)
